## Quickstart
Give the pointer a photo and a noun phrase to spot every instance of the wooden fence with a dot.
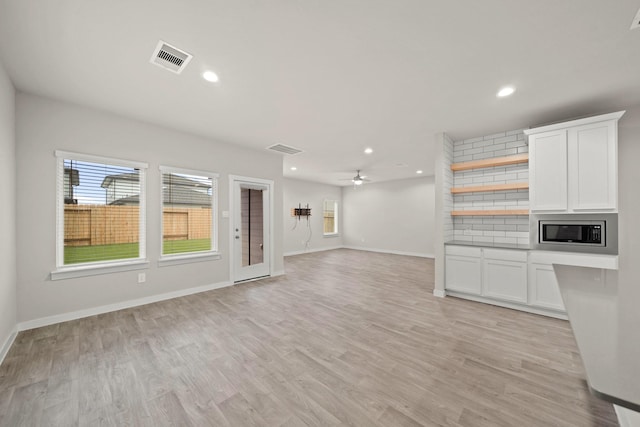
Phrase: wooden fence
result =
(89, 225)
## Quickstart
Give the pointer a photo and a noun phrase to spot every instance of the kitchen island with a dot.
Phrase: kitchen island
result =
(602, 306)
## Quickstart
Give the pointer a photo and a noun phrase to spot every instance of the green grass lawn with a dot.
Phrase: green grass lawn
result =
(78, 254)
(181, 246)
(81, 254)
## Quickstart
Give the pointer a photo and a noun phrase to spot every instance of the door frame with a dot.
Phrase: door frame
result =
(233, 179)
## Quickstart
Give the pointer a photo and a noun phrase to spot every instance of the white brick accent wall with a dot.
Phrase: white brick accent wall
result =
(448, 232)
(491, 229)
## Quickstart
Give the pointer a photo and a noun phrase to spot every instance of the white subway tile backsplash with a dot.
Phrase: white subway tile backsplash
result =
(493, 221)
(484, 204)
(472, 151)
(470, 220)
(495, 147)
(507, 240)
(515, 144)
(472, 140)
(494, 196)
(461, 147)
(464, 158)
(472, 197)
(483, 179)
(463, 182)
(516, 234)
(482, 143)
(516, 195)
(495, 135)
(506, 152)
(488, 229)
(482, 156)
(506, 228)
(505, 139)
(484, 229)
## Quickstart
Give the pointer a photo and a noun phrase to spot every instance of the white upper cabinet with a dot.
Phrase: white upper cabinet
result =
(548, 171)
(593, 167)
(573, 166)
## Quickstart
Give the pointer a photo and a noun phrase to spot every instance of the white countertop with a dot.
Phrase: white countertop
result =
(604, 311)
(488, 245)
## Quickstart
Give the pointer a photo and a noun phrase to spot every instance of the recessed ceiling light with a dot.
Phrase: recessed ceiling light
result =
(293, 168)
(210, 76)
(505, 91)
(368, 150)
(418, 172)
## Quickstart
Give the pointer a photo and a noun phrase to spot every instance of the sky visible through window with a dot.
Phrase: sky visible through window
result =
(91, 175)
(89, 190)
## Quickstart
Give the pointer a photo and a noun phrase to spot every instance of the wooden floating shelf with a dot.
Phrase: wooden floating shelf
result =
(491, 212)
(488, 163)
(495, 187)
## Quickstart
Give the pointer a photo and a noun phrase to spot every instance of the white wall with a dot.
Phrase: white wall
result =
(7, 212)
(628, 188)
(303, 192)
(394, 216)
(44, 125)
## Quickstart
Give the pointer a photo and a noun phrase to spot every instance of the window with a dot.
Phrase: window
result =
(189, 200)
(330, 217)
(100, 211)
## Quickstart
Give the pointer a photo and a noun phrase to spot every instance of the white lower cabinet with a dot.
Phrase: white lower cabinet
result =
(519, 279)
(505, 275)
(463, 269)
(543, 287)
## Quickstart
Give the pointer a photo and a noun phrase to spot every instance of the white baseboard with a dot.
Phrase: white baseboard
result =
(388, 251)
(439, 293)
(7, 344)
(513, 306)
(308, 251)
(65, 317)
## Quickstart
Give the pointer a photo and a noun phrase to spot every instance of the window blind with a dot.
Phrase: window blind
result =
(100, 210)
(187, 211)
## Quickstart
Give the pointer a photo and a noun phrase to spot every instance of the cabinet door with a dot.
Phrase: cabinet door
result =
(593, 165)
(548, 171)
(505, 280)
(463, 274)
(543, 287)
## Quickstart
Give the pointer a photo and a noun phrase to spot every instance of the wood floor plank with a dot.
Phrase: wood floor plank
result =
(345, 338)
(167, 410)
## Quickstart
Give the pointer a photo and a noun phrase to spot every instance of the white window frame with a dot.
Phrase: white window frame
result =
(336, 222)
(200, 256)
(63, 271)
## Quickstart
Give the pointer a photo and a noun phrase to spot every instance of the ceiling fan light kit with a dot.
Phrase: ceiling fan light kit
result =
(357, 180)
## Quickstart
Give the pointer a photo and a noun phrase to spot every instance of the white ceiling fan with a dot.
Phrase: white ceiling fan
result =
(358, 179)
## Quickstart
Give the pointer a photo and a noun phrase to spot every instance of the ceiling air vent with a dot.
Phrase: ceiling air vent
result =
(170, 57)
(636, 21)
(285, 149)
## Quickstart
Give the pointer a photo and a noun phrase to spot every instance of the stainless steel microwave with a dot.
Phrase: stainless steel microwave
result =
(592, 233)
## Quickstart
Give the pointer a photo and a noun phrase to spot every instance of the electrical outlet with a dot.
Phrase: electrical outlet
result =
(142, 277)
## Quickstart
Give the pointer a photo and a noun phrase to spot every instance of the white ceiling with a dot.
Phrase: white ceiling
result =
(332, 77)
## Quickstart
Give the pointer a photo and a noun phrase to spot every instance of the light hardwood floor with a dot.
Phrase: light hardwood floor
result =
(346, 338)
